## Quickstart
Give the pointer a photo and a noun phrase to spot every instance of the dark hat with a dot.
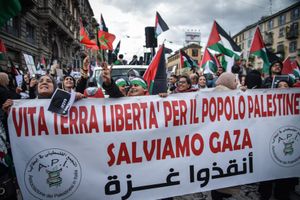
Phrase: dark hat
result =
(273, 63)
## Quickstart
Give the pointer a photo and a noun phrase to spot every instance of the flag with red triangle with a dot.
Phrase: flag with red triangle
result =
(106, 40)
(187, 62)
(2, 50)
(291, 68)
(209, 63)
(155, 74)
(160, 25)
(220, 42)
(258, 49)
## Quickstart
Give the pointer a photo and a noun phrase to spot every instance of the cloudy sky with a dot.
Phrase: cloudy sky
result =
(127, 19)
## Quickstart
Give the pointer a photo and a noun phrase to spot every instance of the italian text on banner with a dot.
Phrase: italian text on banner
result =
(151, 147)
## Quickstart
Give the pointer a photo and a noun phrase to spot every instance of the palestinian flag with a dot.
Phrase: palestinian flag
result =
(84, 38)
(103, 26)
(221, 43)
(187, 62)
(208, 63)
(106, 40)
(160, 25)
(8, 9)
(2, 50)
(117, 49)
(291, 68)
(258, 49)
(155, 74)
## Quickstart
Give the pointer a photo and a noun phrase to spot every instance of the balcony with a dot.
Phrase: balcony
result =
(292, 31)
(291, 34)
(280, 48)
(268, 39)
(57, 19)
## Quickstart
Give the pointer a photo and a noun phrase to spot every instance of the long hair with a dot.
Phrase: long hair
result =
(4, 80)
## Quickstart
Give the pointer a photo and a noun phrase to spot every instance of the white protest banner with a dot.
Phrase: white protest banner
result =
(151, 147)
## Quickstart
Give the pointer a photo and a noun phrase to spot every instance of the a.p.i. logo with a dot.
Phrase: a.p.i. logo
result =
(52, 174)
(285, 146)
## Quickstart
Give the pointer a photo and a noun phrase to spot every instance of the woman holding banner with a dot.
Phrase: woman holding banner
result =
(7, 177)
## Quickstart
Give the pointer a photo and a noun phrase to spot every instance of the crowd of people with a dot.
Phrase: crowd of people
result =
(43, 87)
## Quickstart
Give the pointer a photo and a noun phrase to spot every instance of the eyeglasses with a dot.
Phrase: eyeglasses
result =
(182, 82)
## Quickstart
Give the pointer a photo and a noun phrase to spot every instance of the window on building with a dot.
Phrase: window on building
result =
(250, 34)
(242, 45)
(295, 14)
(268, 38)
(12, 26)
(294, 27)
(281, 20)
(194, 52)
(270, 24)
(249, 43)
(293, 47)
(30, 33)
(281, 32)
(280, 50)
(280, 47)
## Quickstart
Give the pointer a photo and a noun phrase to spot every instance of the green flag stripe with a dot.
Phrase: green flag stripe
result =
(296, 72)
(221, 49)
(151, 87)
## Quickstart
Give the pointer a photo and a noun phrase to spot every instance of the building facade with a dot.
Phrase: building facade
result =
(280, 32)
(46, 29)
(173, 61)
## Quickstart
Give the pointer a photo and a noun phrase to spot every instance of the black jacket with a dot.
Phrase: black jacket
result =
(7, 94)
(112, 90)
